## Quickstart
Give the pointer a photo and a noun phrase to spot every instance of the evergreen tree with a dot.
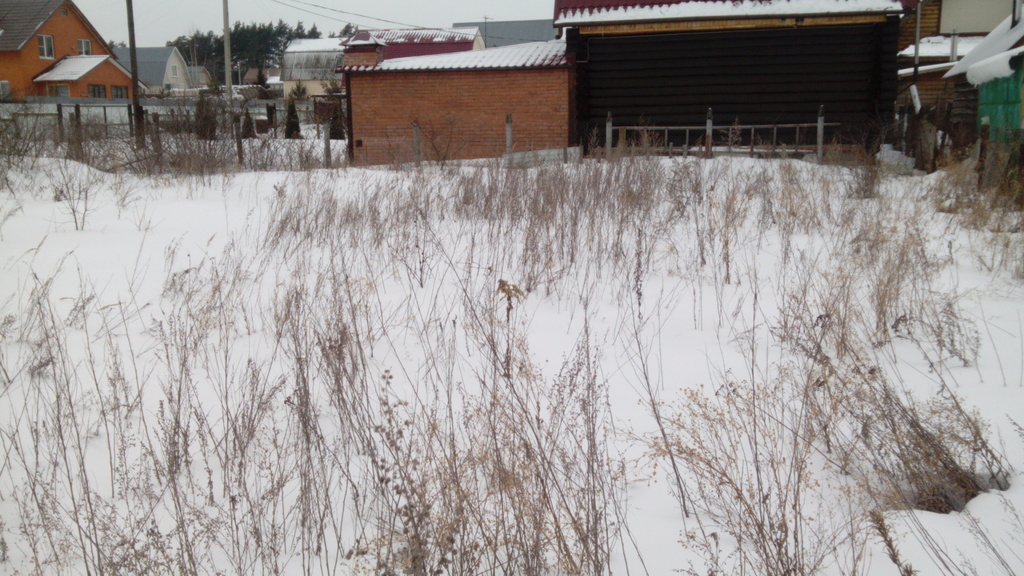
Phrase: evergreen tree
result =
(248, 129)
(338, 120)
(291, 123)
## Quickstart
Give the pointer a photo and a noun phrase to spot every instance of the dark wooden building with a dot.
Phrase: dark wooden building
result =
(752, 62)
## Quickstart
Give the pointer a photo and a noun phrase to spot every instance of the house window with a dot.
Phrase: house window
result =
(84, 47)
(97, 91)
(174, 71)
(5, 89)
(119, 92)
(63, 11)
(59, 90)
(45, 46)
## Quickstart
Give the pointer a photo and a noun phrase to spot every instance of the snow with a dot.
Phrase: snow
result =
(1002, 38)
(315, 45)
(71, 68)
(942, 47)
(528, 55)
(265, 372)
(926, 69)
(992, 68)
(717, 9)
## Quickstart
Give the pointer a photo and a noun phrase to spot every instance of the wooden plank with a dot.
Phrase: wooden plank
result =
(728, 24)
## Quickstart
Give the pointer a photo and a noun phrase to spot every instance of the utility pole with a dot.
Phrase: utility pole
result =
(227, 53)
(140, 121)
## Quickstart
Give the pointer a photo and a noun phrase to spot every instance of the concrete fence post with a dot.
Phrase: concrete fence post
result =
(60, 124)
(709, 134)
(821, 134)
(416, 142)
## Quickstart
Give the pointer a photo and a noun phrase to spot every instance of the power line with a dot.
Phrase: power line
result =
(355, 14)
(311, 12)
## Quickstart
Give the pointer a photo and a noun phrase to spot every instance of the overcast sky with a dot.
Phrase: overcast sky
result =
(158, 21)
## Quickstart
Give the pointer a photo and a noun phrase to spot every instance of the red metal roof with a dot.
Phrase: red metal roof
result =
(405, 42)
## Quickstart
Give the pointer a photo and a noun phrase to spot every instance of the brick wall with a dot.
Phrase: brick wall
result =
(461, 114)
(357, 57)
(20, 67)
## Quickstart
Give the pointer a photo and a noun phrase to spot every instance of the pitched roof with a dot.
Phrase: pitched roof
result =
(414, 36)
(73, 68)
(152, 62)
(19, 20)
(1002, 38)
(578, 12)
(314, 45)
(942, 47)
(506, 33)
(531, 55)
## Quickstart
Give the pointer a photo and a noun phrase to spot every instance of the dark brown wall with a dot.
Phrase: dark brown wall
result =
(772, 76)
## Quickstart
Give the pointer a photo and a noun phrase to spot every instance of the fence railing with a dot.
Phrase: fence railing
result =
(709, 139)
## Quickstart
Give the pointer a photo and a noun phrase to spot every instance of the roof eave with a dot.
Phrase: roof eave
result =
(456, 69)
(557, 24)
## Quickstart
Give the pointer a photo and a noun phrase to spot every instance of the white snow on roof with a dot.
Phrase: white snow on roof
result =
(926, 69)
(1003, 38)
(989, 69)
(71, 68)
(529, 55)
(719, 9)
(315, 45)
(942, 46)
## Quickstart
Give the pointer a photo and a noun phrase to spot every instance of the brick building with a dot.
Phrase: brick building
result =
(49, 48)
(454, 106)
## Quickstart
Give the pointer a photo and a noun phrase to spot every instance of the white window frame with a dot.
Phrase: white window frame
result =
(84, 47)
(46, 46)
(174, 71)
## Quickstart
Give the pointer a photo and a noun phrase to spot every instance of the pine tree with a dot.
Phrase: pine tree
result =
(248, 130)
(291, 123)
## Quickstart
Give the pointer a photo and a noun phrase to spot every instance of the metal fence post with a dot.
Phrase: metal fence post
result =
(608, 136)
(708, 134)
(416, 142)
(327, 146)
(821, 134)
(508, 135)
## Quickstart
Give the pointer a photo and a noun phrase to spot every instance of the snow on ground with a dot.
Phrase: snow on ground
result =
(462, 369)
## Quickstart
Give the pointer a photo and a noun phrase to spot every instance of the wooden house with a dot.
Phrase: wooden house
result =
(49, 48)
(458, 105)
(949, 30)
(996, 69)
(161, 68)
(752, 62)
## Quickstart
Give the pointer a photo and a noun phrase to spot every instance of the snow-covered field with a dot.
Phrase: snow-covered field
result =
(638, 367)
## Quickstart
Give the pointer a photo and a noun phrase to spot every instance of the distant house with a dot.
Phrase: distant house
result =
(455, 105)
(666, 63)
(312, 63)
(161, 68)
(252, 74)
(49, 48)
(996, 68)
(368, 47)
(950, 29)
(199, 76)
(507, 32)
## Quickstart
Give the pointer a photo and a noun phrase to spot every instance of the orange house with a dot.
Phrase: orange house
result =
(49, 48)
